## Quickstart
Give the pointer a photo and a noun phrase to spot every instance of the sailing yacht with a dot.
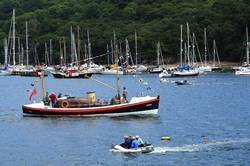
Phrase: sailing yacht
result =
(139, 67)
(185, 70)
(215, 56)
(205, 67)
(158, 68)
(245, 68)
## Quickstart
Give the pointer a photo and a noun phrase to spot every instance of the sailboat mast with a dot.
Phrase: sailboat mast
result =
(61, 53)
(64, 51)
(188, 46)
(46, 54)
(205, 44)
(14, 38)
(116, 61)
(127, 51)
(181, 49)
(193, 50)
(136, 51)
(19, 51)
(247, 47)
(214, 52)
(5, 52)
(158, 53)
(112, 51)
(89, 48)
(108, 54)
(27, 43)
(85, 52)
(78, 45)
(50, 52)
(22, 53)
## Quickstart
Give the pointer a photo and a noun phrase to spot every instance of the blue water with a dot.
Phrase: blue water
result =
(216, 105)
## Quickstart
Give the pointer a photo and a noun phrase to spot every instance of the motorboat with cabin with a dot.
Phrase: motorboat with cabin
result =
(89, 106)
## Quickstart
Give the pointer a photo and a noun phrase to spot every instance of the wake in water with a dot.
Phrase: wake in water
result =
(227, 145)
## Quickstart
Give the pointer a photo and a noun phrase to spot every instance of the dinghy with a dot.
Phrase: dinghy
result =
(146, 149)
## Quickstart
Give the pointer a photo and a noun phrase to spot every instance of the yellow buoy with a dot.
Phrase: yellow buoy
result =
(166, 138)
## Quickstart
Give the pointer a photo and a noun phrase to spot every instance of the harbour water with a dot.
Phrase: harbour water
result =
(208, 122)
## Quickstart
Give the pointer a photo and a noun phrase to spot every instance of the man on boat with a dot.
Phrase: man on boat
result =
(141, 143)
(127, 142)
(125, 94)
(53, 98)
(135, 143)
(46, 99)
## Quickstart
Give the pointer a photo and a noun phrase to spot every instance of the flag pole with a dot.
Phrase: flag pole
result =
(42, 79)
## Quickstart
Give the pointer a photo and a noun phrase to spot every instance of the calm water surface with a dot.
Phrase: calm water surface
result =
(216, 105)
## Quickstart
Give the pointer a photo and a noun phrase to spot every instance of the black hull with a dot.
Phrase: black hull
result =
(139, 108)
(58, 75)
(155, 72)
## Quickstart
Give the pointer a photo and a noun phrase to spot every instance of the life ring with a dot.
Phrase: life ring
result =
(64, 104)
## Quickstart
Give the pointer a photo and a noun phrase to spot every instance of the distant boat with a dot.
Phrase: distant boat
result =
(158, 68)
(245, 69)
(166, 73)
(184, 71)
(71, 73)
(139, 67)
(183, 82)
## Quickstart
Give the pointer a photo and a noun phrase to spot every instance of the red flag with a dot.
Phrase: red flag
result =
(34, 92)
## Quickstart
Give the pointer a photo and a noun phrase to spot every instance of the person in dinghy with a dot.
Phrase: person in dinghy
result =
(132, 144)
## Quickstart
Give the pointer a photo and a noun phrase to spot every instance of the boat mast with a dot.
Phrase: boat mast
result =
(46, 54)
(116, 61)
(85, 53)
(108, 54)
(205, 44)
(217, 55)
(5, 52)
(214, 52)
(64, 51)
(112, 52)
(247, 47)
(158, 53)
(19, 51)
(61, 53)
(27, 45)
(78, 46)
(127, 51)
(193, 49)
(89, 48)
(74, 49)
(71, 44)
(14, 38)
(50, 52)
(136, 51)
(188, 46)
(181, 49)
(22, 53)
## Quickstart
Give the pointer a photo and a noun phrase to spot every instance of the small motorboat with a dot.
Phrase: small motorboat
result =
(145, 149)
(183, 82)
(165, 80)
(166, 73)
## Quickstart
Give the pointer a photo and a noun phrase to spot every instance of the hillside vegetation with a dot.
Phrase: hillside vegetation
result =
(154, 20)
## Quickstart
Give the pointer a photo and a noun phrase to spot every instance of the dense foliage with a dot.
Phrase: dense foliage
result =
(154, 20)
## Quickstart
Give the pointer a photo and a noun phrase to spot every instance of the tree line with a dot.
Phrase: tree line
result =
(153, 20)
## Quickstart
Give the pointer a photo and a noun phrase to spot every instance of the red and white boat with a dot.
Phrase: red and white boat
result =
(145, 105)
